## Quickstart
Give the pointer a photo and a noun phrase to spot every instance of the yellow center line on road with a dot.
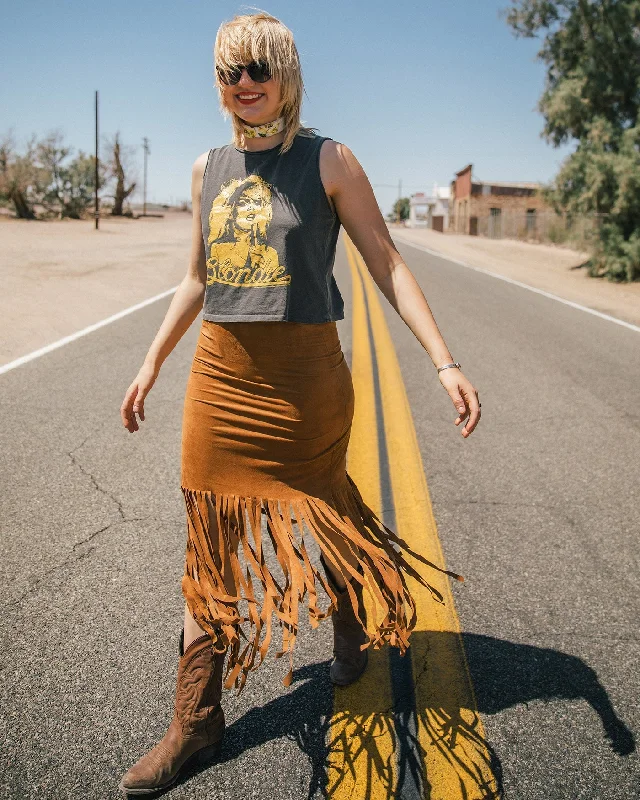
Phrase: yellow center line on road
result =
(361, 742)
(449, 740)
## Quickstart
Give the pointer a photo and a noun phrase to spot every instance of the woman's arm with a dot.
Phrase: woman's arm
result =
(185, 306)
(348, 186)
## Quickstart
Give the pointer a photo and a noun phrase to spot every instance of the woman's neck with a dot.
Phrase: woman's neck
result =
(264, 142)
(263, 135)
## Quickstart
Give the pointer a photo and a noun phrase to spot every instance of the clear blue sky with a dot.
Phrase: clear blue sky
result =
(416, 89)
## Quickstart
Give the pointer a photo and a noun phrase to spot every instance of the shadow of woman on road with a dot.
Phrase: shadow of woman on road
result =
(373, 741)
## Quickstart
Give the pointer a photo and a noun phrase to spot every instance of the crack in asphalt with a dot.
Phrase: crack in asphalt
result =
(515, 504)
(98, 488)
(423, 670)
(73, 556)
(43, 576)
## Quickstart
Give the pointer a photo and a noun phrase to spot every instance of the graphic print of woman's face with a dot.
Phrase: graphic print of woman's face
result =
(250, 209)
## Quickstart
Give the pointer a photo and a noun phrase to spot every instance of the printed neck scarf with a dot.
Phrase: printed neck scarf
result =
(266, 129)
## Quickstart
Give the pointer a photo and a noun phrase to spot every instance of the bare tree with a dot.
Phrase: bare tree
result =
(118, 164)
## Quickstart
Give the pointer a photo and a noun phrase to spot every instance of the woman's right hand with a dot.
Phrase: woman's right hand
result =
(133, 402)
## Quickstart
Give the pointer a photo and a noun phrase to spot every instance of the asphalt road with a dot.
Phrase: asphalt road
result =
(538, 509)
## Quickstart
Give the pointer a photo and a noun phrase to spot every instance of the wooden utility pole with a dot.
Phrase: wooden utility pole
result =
(399, 196)
(97, 206)
(145, 147)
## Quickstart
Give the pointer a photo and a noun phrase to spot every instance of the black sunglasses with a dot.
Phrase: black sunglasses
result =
(258, 71)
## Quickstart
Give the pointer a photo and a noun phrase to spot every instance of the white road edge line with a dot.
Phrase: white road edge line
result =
(72, 337)
(601, 314)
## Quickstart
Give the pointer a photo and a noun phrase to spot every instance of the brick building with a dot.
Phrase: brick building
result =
(494, 208)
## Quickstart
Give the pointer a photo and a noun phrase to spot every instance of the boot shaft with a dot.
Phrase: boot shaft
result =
(345, 611)
(199, 684)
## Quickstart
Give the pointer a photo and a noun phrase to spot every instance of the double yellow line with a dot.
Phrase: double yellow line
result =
(442, 753)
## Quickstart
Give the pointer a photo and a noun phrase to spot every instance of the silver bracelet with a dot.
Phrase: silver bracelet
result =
(446, 366)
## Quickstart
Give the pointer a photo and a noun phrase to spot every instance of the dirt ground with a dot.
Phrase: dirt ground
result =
(61, 276)
(547, 267)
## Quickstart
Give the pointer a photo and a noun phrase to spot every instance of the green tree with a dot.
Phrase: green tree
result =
(401, 209)
(70, 187)
(45, 180)
(19, 175)
(591, 49)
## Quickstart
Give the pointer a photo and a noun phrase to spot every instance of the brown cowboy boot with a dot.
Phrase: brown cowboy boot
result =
(197, 727)
(349, 660)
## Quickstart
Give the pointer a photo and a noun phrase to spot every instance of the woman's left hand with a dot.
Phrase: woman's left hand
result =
(464, 397)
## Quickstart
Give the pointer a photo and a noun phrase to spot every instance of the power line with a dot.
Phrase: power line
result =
(395, 186)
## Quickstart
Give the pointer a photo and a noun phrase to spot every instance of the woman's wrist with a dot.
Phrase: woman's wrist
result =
(153, 362)
(442, 358)
(449, 365)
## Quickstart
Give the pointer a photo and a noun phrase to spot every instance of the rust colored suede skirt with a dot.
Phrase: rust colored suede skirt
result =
(266, 425)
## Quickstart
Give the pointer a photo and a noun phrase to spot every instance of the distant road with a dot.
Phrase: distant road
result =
(61, 277)
(549, 268)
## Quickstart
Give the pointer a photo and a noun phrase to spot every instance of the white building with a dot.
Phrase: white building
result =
(430, 211)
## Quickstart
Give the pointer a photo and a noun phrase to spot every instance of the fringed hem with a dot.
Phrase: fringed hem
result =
(378, 551)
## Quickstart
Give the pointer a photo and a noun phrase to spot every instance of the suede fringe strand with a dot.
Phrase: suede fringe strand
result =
(376, 548)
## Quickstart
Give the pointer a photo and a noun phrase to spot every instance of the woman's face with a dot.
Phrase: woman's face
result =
(263, 108)
(250, 209)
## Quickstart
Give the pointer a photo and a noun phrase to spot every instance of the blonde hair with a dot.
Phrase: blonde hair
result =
(262, 37)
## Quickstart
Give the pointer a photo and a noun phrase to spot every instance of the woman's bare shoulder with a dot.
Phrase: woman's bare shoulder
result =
(200, 163)
(338, 165)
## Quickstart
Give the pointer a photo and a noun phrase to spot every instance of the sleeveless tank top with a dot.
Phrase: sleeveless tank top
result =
(269, 235)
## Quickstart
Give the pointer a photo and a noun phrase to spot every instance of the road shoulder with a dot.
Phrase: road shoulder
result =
(546, 267)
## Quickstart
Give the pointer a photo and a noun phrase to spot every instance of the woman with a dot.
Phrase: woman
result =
(269, 401)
